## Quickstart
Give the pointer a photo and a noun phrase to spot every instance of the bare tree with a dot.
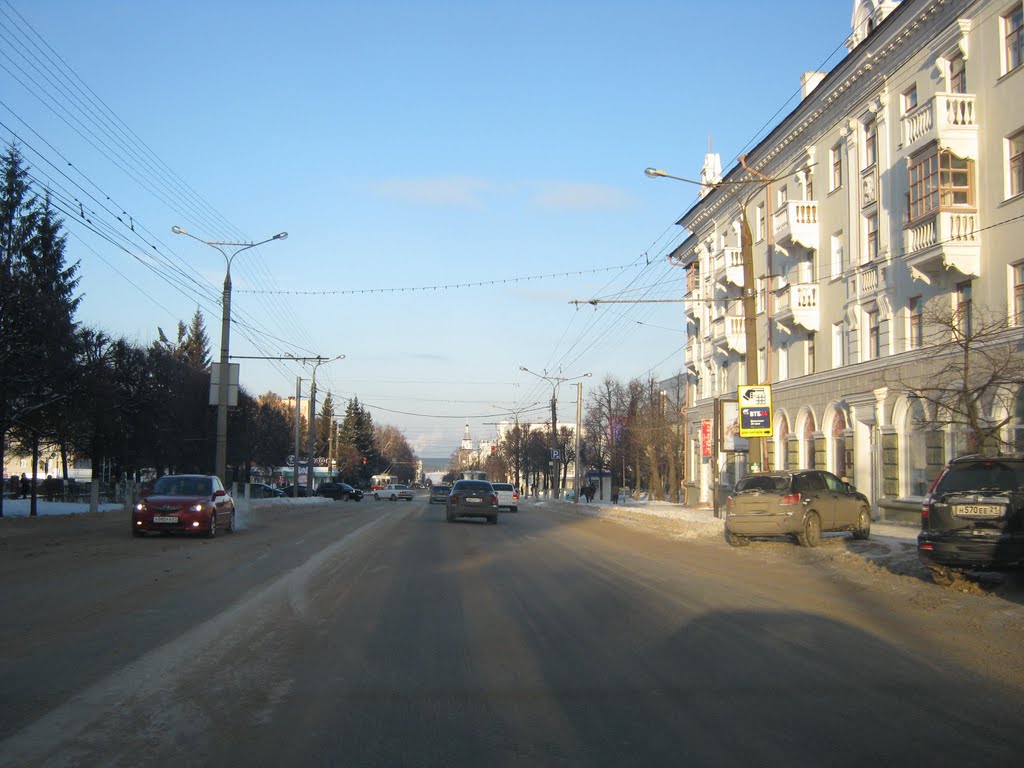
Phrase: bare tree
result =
(972, 376)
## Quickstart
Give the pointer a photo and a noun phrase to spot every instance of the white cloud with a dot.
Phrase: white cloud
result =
(457, 191)
(579, 196)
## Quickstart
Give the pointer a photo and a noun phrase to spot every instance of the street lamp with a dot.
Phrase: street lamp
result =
(310, 440)
(225, 337)
(554, 381)
(749, 288)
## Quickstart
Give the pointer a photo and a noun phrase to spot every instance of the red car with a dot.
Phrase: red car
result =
(184, 504)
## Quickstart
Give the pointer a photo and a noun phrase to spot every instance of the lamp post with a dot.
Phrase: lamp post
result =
(749, 288)
(554, 381)
(225, 337)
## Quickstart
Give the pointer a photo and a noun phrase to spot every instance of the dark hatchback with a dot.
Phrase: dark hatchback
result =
(339, 492)
(974, 516)
(439, 494)
(472, 498)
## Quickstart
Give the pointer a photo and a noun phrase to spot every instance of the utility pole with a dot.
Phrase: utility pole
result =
(311, 439)
(554, 381)
(579, 426)
(298, 411)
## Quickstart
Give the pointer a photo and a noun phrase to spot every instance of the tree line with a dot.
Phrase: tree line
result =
(81, 393)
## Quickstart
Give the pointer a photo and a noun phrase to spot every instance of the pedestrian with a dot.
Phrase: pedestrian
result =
(615, 494)
(24, 486)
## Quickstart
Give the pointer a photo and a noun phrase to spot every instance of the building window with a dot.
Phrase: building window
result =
(783, 195)
(870, 143)
(838, 345)
(939, 180)
(1016, 164)
(871, 241)
(964, 308)
(915, 317)
(958, 74)
(1018, 293)
(1014, 49)
(873, 339)
(783, 372)
(837, 167)
(809, 360)
(759, 235)
(837, 254)
(910, 99)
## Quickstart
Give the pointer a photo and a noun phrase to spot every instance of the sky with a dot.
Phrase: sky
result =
(451, 176)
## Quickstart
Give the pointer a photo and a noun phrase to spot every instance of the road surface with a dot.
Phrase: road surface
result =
(355, 634)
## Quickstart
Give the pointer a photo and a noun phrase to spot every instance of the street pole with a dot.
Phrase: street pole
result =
(554, 381)
(579, 427)
(310, 441)
(225, 334)
(298, 412)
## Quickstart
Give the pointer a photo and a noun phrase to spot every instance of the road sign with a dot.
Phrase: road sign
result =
(755, 403)
(556, 454)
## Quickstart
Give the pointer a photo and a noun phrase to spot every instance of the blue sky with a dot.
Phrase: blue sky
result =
(401, 145)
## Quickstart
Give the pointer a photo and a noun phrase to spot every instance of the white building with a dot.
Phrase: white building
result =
(895, 185)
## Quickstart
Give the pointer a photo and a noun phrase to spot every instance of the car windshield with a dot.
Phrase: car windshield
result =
(172, 485)
(986, 475)
(778, 483)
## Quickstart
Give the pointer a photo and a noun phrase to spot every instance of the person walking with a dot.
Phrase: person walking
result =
(24, 486)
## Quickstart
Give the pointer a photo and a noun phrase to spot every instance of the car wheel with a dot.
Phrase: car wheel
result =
(515, 509)
(376, 497)
(493, 520)
(212, 530)
(942, 575)
(810, 535)
(863, 529)
(735, 539)
(449, 517)
(392, 497)
(231, 523)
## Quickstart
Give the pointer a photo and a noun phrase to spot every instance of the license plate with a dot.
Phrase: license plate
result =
(977, 510)
(164, 519)
(472, 501)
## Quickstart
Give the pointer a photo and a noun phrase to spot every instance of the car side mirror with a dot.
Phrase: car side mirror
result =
(851, 487)
(220, 492)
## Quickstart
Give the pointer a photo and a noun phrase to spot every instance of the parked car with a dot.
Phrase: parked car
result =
(184, 504)
(802, 503)
(508, 496)
(288, 491)
(393, 492)
(974, 516)
(264, 491)
(472, 498)
(339, 491)
(439, 494)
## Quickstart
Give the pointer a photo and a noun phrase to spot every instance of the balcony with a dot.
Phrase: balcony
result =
(796, 222)
(949, 119)
(868, 280)
(729, 332)
(945, 240)
(729, 266)
(797, 304)
(692, 353)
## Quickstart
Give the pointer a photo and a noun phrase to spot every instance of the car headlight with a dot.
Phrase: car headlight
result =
(196, 508)
(140, 507)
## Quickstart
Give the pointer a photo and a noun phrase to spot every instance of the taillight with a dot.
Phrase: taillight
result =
(926, 510)
(494, 500)
(792, 498)
(515, 496)
(454, 498)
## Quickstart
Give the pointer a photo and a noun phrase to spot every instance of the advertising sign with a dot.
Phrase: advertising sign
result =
(755, 404)
(706, 437)
(732, 438)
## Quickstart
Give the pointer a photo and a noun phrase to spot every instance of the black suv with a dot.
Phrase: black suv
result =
(339, 491)
(974, 517)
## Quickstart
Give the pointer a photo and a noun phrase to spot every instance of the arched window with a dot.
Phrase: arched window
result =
(839, 455)
(808, 439)
(782, 441)
(917, 448)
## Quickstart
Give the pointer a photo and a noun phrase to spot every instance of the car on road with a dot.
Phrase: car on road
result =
(439, 494)
(801, 503)
(394, 492)
(508, 496)
(264, 491)
(974, 516)
(339, 491)
(288, 491)
(472, 498)
(184, 504)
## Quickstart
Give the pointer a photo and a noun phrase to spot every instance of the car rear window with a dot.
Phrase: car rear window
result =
(763, 483)
(982, 475)
(502, 486)
(440, 489)
(473, 486)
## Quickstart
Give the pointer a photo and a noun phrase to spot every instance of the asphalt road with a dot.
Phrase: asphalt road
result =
(377, 634)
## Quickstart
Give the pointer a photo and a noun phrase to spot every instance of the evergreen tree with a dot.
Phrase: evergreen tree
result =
(324, 426)
(357, 431)
(195, 347)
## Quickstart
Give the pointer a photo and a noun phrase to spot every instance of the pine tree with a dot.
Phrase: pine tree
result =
(196, 345)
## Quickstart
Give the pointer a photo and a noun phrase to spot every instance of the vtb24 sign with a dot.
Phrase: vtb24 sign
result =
(755, 403)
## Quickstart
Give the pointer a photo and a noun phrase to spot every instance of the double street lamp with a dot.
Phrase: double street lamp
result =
(554, 381)
(228, 250)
